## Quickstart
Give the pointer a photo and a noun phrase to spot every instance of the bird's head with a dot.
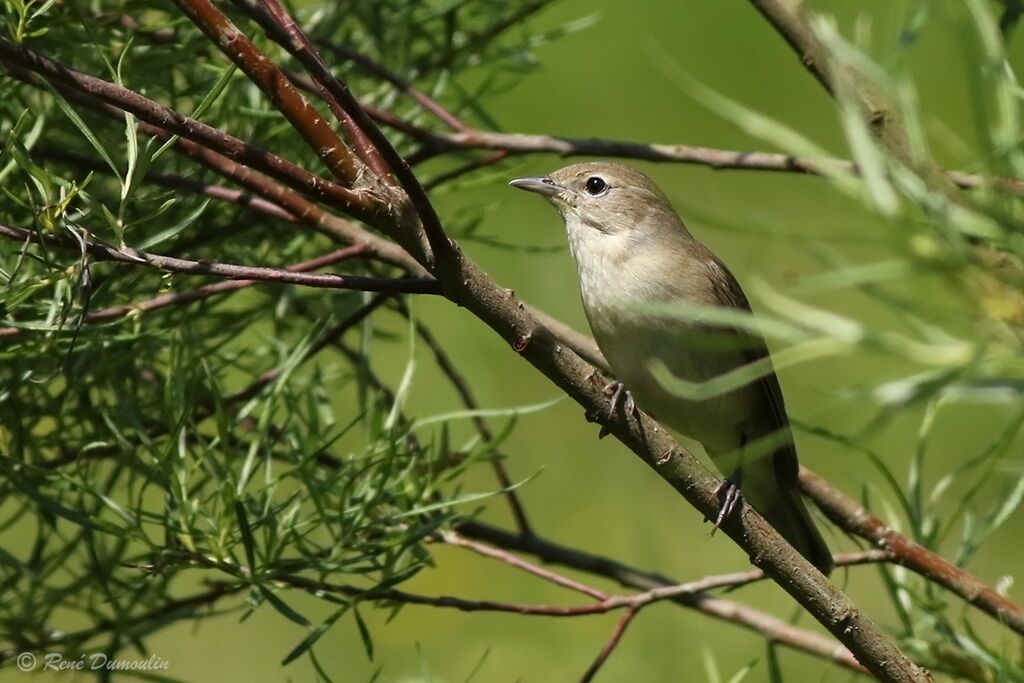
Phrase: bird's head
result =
(609, 198)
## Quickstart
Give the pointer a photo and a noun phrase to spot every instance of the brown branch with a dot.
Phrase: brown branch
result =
(850, 515)
(717, 159)
(265, 75)
(282, 28)
(22, 61)
(766, 625)
(453, 538)
(128, 255)
(606, 651)
(461, 386)
(273, 199)
(789, 20)
(375, 68)
(429, 222)
(197, 294)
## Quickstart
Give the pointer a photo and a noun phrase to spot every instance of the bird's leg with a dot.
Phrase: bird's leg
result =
(619, 392)
(730, 492)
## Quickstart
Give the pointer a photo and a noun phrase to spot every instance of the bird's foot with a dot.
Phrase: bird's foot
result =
(619, 395)
(729, 492)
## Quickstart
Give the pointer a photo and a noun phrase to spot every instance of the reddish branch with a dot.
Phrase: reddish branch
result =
(276, 21)
(453, 538)
(317, 133)
(414, 194)
(101, 252)
(851, 516)
(602, 656)
(766, 625)
(22, 59)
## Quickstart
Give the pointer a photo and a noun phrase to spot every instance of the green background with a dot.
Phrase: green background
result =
(609, 81)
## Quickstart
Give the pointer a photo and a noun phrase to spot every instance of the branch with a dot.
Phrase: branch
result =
(197, 294)
(761, 623)
(453, 538)
(717, 159)
(22, 61)
(850, 515)
(375, 68)
(788, 20)
(429, 222)
(277, 23)
(265, 75)
(171, 264)
(602, 656)
(447, 367)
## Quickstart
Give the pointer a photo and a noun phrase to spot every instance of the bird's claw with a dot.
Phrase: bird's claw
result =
(620, 394)
(730, 487)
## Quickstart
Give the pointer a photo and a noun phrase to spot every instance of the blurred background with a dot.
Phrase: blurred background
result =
(612, 78)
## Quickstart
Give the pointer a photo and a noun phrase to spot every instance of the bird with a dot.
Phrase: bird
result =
(636, 259)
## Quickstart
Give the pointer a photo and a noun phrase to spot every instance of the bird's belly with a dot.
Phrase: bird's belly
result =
(634, 347)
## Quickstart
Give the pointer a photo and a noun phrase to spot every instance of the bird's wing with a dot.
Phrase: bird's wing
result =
(728, 293)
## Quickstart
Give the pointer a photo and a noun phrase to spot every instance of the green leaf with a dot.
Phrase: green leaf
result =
(314, 635)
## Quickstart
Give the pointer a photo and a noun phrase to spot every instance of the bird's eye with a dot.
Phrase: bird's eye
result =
(596, 185)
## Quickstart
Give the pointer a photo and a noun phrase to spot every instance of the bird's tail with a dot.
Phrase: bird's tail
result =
(787, 512)
(774, 492)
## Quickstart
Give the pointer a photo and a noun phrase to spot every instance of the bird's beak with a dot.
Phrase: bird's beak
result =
(540, 185)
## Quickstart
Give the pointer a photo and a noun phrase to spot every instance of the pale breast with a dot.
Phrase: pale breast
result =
(620, 292)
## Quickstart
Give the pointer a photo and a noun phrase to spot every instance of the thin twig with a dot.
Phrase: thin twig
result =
(606, 651)
(462, 388)
(375, 68)
(101, 252)
(22, 61)
(759, 622)
(198, 294)
(714, 158)
(453, 538)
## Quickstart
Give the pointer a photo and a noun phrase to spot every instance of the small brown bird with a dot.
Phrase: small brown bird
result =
(636, 259)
